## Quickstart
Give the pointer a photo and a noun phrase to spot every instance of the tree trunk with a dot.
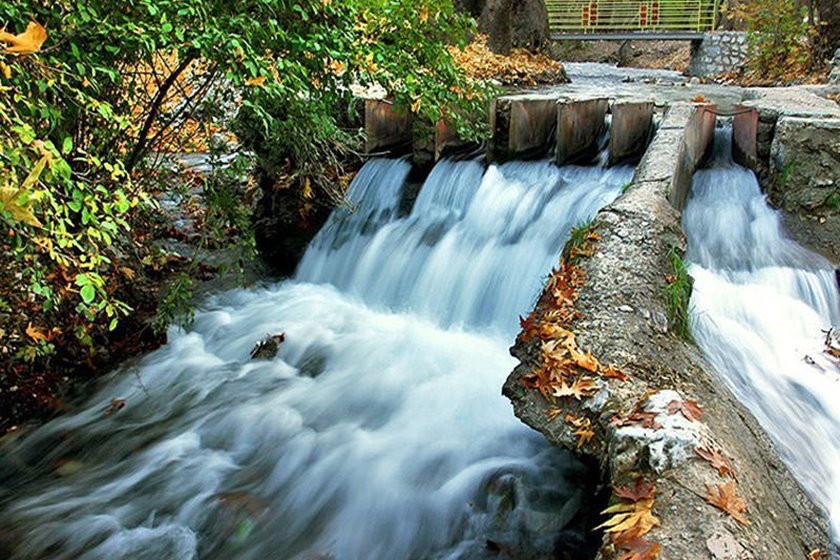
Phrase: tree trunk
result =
(829, 25)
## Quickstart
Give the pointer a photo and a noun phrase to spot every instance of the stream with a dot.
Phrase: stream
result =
(760, 310)
(378, 431)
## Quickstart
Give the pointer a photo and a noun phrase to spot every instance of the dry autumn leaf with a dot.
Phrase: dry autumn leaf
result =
(637, 548)
(637, 417)
(28, 42)
(36, 333)
(689, 409)
(114, 406)
(723, 497)
(640, 490)
(580, 388)
(583, 429)
(637, 517)
(717, 461)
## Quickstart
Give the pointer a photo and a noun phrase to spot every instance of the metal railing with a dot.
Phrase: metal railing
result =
(631, 16)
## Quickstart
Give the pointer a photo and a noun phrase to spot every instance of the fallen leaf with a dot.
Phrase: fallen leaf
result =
(689, 409)
(816, 554)
(583, 429)
(637, 517)
(612, 372)
(28, 42)
(640, 490)
(637, 417)
(580, 388)
(717, 460)
(114, 406)
(723, 497)
(637, 548)
(36, 333)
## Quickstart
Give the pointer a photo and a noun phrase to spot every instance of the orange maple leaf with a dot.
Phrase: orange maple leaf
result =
(28, 42)
(723, 497)
(580, 388)
(717, 461)
(583, 429)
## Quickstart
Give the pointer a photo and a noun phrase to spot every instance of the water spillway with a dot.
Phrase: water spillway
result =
(760, 310)
(378, 432)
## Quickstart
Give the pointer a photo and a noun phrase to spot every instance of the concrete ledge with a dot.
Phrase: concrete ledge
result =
(745, 137)
(579, 126)
(696, 141)
(622, 318)
(630, 130)
(522, 126)
(387, 127)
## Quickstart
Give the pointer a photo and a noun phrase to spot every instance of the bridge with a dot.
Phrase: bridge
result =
(631, 19)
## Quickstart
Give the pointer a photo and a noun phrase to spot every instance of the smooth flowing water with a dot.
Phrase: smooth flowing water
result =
(761, 307)
(378, 431)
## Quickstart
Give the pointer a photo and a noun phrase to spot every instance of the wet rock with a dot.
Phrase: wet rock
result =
(268, 347)
(805, 180)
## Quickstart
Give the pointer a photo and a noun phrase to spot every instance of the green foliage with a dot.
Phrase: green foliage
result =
(678, 292)
(581, 243)
(115, 77)
(779, 37)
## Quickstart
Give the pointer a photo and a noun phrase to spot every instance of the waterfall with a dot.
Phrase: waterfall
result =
(378, 431)
(759, 309)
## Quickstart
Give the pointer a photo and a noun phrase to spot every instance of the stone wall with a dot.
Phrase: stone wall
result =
(717, 53)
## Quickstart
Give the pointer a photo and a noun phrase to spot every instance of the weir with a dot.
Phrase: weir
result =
(378, 431)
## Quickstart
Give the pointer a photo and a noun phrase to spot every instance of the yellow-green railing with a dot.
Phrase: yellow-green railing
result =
(631, 16)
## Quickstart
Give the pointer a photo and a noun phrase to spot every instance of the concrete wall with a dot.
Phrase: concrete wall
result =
(630, 130)
(387, 127)
(745, 137)
(522, 126)
(580, 125)
(681, 142)
(717, 53)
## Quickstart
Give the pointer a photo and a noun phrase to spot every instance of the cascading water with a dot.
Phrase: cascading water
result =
(378, 432)
(760, 308)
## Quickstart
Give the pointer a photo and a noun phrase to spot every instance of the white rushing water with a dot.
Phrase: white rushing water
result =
(378, 431)
(760, 306)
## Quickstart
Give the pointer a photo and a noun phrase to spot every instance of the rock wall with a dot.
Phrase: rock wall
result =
(805, 180)
(717, 53)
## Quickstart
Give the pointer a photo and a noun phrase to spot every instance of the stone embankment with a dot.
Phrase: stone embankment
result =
(656, 425)
(791, 139)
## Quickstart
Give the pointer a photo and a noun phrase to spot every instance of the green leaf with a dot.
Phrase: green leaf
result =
(67, 145)
(88, 293)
